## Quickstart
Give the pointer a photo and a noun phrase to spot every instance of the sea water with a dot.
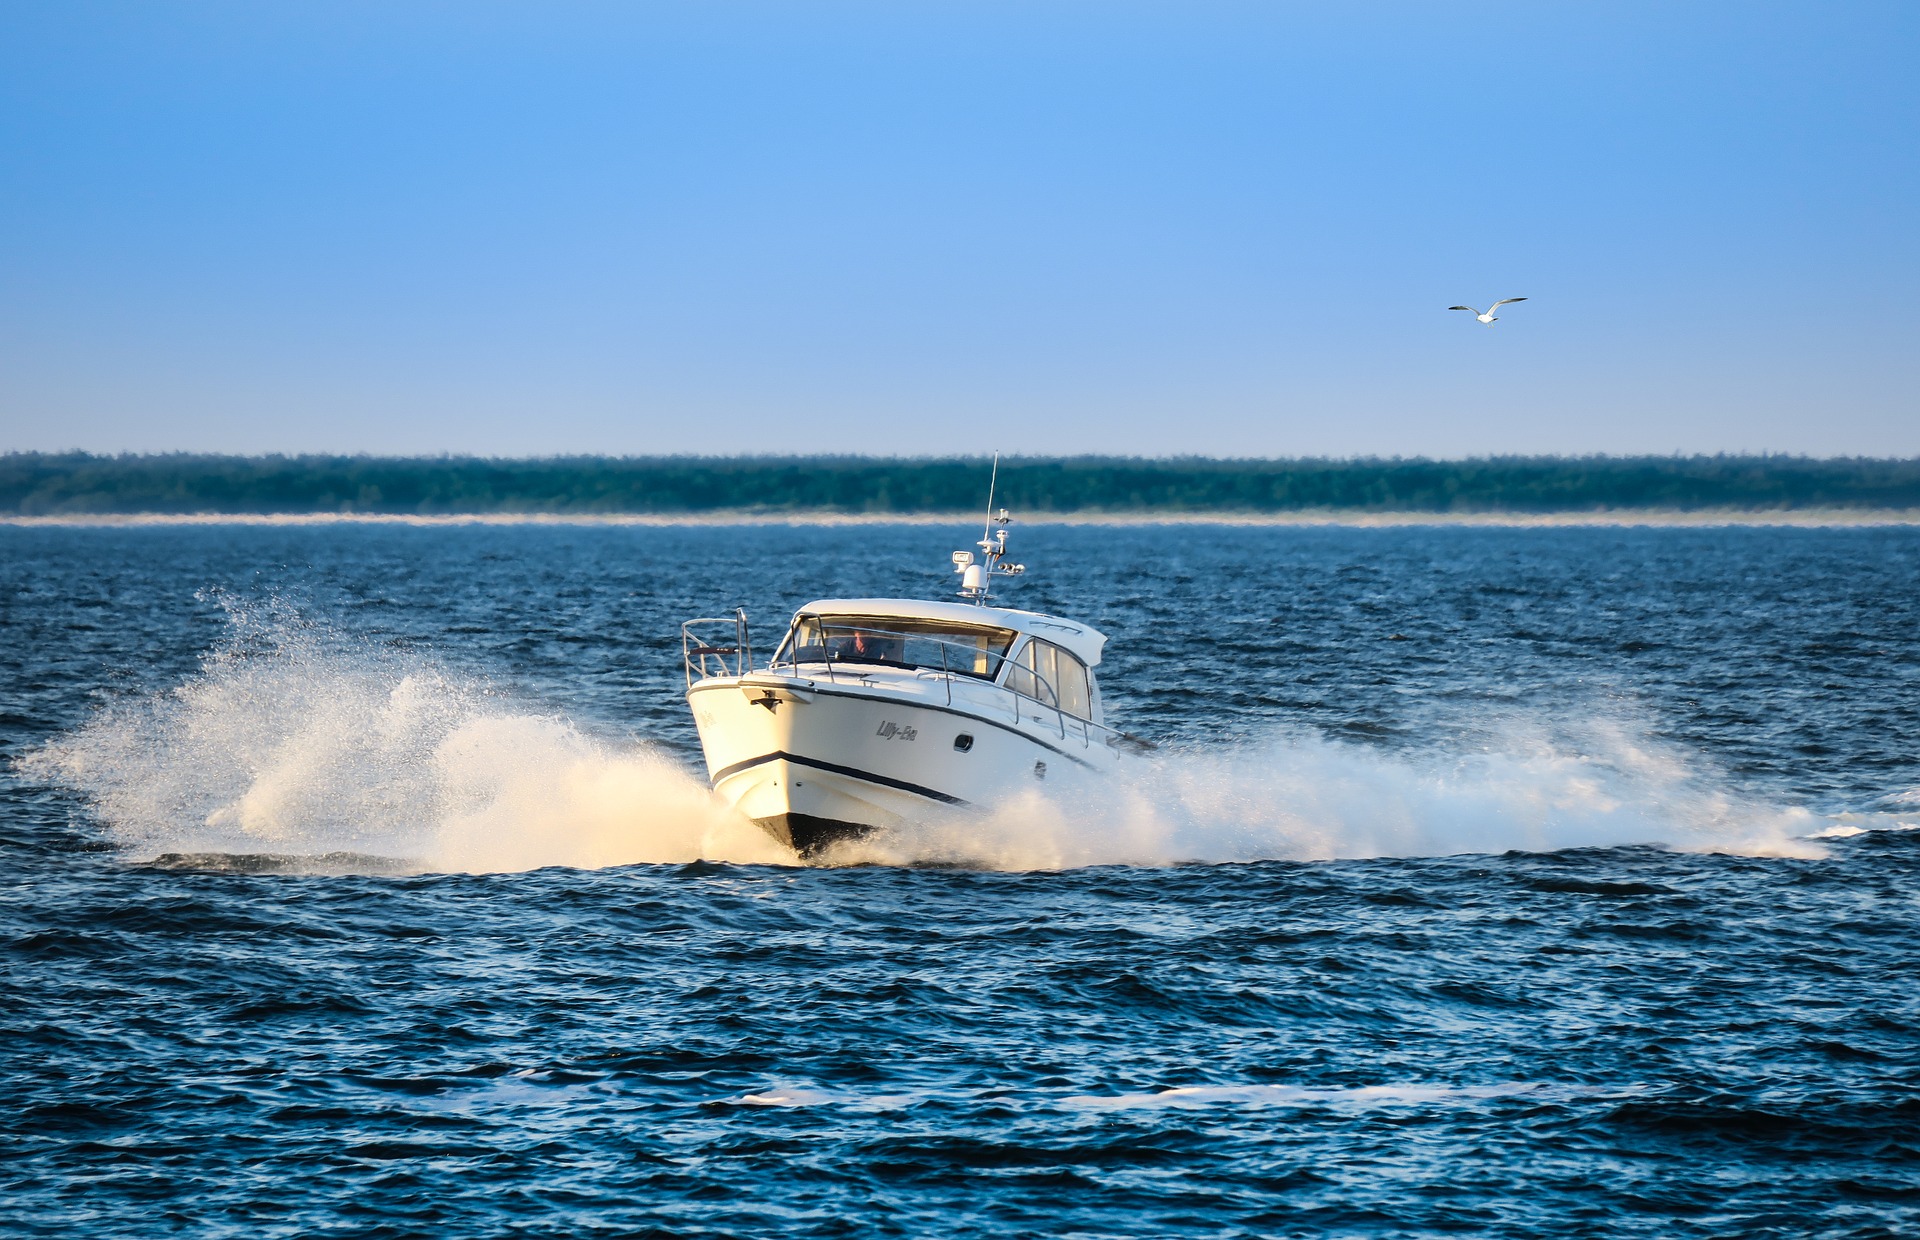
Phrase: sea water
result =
(362, 881)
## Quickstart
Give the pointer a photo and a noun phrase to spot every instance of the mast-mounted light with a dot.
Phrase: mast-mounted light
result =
(976, 577)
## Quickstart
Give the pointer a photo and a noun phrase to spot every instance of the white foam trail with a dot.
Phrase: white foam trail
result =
(296, 742)
(291, 741)
(1195, 1096)
(1306, 798)
(1847, 826)
(800, 1097)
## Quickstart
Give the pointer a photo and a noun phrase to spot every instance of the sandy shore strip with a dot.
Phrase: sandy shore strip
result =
(1809, 518)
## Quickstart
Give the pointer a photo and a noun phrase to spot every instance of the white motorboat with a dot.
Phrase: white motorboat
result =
(876, 713)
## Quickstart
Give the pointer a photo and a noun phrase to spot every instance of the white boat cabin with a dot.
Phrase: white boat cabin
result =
(1044, 658)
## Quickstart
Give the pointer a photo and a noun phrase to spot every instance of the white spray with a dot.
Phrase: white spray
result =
(295, 742)
(1302, 797)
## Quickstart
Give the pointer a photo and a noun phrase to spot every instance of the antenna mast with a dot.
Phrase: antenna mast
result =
(993, 481)
(976, 579)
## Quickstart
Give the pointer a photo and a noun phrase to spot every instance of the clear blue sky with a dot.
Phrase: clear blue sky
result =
(930, 228)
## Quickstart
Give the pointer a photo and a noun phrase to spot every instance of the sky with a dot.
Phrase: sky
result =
(924, 228)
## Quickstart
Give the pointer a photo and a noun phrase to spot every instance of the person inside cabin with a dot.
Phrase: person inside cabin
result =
(867, 647)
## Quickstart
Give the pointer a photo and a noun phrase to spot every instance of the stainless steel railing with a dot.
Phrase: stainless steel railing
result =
(701, 655)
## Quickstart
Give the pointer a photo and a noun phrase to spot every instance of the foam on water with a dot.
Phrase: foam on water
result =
(298, 743)
(1306, 798)
(295, 742)
(1362, 1096)
(1195, 1097)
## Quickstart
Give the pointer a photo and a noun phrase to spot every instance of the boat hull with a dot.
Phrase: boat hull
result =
(816, 763)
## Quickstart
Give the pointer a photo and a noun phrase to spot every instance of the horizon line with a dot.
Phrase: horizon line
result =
(1620, 518)
(934, 458)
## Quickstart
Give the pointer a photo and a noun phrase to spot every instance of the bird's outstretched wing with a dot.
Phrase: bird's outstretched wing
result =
(1468, 309)
(1504, 301)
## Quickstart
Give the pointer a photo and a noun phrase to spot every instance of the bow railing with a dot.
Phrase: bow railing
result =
(706, 650)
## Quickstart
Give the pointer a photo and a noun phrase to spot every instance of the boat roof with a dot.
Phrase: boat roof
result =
(1083, 640)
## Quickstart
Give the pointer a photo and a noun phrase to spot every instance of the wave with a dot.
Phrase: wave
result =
(298, 748)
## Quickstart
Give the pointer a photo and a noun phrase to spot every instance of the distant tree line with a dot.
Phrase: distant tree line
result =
(34, 483)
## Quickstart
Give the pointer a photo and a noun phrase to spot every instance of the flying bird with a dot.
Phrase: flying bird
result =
(1488, 318)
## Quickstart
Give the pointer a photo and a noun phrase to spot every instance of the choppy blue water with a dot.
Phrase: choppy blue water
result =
(1525, 882)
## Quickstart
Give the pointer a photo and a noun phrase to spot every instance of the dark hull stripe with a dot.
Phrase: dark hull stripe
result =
(933, 706)
(810, 836)
(851, 772)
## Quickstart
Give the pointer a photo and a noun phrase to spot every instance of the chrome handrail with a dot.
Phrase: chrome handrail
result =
(695, 647)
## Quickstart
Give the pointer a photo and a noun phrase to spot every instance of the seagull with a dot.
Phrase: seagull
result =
(1488, 318)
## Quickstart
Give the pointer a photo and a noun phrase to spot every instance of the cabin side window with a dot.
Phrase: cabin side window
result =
(1046, 673)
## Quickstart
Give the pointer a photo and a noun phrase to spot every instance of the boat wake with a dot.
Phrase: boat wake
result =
(295, 748)
(1306, 798)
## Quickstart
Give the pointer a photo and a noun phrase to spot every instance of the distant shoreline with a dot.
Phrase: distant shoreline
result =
(1511, 490)
(1806, 518)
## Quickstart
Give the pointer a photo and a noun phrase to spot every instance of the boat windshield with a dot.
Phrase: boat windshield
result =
(896, 641)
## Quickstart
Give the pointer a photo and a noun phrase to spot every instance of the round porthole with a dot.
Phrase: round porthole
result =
(1039, 770)
(963, 742)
